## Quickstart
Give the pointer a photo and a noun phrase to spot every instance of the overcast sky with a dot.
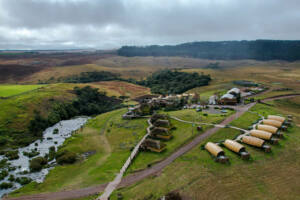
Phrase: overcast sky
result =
(107, 24)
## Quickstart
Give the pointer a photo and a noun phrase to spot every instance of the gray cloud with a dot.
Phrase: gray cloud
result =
(104, 24)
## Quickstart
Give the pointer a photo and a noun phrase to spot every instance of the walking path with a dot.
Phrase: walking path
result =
(114, 184)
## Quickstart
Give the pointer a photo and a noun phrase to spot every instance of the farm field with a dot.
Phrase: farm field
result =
(11, 90)
(196, 176)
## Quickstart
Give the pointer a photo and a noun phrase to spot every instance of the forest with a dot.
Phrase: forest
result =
(223, 50)
(174, 82)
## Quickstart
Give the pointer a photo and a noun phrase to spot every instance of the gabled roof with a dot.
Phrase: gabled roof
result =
(228, 96)
(234, 90)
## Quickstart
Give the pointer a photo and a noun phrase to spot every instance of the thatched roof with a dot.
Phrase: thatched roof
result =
(267, 128)
(261, 134)
(272, 122)
(214, 149)
(275, 117)
(253, 141)
(233, 145)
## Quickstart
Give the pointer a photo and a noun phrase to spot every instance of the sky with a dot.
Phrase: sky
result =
(110, 24)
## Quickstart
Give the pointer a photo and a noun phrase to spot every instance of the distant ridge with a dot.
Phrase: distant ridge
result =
(288, 50)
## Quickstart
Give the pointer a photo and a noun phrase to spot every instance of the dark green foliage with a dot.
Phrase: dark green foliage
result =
(3, 140)
(65, 157)
(38, 124)
(31, 154)
(3, 174)
(11, 178)
(55, 131)
(3, 163)
(23, 180)
(12, 155)
(173, 196)
(52, 152)
(245, 83)
(37, 164)
(174, 82)
(6, 185)
(86, 77)
(223, 50)
(89, 101)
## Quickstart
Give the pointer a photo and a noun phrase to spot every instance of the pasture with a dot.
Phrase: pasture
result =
(195, 175)
(12, 90)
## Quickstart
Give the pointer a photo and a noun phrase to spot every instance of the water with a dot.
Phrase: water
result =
(65, 127)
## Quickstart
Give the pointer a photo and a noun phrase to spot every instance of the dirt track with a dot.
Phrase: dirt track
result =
(155, 169)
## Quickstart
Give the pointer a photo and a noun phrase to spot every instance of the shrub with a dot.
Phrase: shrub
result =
(3, 141)
(3, 174)
(173, 196)
(6, 185)
(55, 131)
(23, 180)
(52, 152)
(31, 154)
(65, 157)
(11, 178)
(37, 164)
(12, 155)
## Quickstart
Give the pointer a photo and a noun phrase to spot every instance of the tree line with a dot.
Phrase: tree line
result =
(89, 101)
(224, 50)
(174, 82)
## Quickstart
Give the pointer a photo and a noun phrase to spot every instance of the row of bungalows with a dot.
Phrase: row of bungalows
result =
(219, 155)
(256, 138)
(160, 130)
(266, 131)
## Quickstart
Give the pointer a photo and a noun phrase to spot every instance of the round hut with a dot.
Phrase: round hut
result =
(237, 148)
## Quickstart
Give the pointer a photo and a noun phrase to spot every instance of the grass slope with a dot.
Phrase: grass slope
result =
(197, 176)
(11, 90)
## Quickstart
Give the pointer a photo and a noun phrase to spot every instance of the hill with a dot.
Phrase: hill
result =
(224, 50)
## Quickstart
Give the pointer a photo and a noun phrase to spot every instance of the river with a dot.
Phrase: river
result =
(65, 130)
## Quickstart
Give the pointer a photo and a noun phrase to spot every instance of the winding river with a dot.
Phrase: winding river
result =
(65, 130)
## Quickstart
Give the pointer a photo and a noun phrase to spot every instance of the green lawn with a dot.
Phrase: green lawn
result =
(198, 176)
(183, 134)
(110, 137)
(11, 90)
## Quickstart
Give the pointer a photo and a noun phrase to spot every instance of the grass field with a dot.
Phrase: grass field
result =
(17, 111)
(111, 138)
(11, 90)
(197, 176)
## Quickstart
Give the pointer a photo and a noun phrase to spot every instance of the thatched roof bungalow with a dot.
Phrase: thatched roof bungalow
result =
(216, 151)
(263, 135)
(237, 148)
(256, 142)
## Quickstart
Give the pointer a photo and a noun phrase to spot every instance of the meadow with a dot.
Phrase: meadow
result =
(197, 176)
(11, 90)
(111, 138)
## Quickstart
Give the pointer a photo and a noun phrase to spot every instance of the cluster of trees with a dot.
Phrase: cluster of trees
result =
(87, 77)
(89, 101)
(224, 50)
(174, 82)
